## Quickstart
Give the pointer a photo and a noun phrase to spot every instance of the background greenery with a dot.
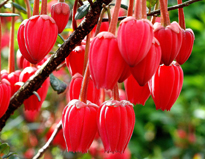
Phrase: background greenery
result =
(179, 133)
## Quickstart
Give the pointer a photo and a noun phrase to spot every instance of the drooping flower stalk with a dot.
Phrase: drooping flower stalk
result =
(84, 86)
(116, 92)
(28, 8)
(164, 12)
(155, 8)
(181, 16)
(130, 8)
(102, 95)
(144, 9)
(114, 20)
(86, 51)
(11, 45)
(74, 23)
(44, 7)
(138, 9)
(100, 21)
(0, 49)
(36, 7)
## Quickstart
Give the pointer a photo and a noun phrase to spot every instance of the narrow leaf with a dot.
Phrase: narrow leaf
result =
(61, 38)
(4, 148)
(82, 11)
(8, 14)
(19, 8)
(9, 155)
(57, 84)
(37, 95)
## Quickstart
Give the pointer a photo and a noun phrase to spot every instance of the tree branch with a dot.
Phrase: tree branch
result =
(3, 3)
(35, 82)
(48, 143)
(157, 12)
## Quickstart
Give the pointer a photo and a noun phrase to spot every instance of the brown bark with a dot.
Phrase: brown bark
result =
(35, 82)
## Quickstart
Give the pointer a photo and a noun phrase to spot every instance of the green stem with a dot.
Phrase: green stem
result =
(130, 8)
(114, 20)
(181, 16)
(11, 45)
(164, 12)
(44, 7)
(138, 9)
(61, 1)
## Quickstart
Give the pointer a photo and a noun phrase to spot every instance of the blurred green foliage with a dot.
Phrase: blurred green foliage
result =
(179, 133)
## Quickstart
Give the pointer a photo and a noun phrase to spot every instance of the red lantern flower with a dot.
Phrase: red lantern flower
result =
(32, 103)
(14, 78)
(125, 73)
(5, 95)
(21, 42)
(75, 61)
(145, 69)
(79, 125)
(23, 63)
(136, 94)
(36, 37)
(170, 39)
(115, 121)
(60, 12)
(105, 61)
(165, 86)
(134, 39)
(187, 46)
(93, 93)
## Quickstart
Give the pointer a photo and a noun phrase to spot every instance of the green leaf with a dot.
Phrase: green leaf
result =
(82, 11)
(4, 148)
(8, 14)
(151, 3)
(67, 30)
(57, 84)
(86, 156)
(19, 8)
(9, 155)
(60, 39)
(122, 6)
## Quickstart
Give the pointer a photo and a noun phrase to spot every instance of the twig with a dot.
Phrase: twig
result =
(60, 66)
(35, 82)
(3, 3)
(81, 3)
(91, 3)
(48, 143)
(157, 12)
